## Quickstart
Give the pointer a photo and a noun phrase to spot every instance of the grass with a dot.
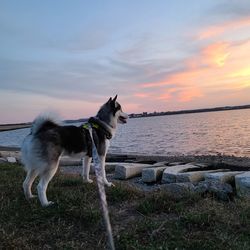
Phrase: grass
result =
(139, 220)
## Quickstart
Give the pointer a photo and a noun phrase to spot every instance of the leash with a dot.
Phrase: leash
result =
(101, 188)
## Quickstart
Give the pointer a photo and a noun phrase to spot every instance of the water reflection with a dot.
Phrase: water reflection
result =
(226, 132)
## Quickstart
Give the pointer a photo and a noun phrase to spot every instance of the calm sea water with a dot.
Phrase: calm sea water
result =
(225, 132)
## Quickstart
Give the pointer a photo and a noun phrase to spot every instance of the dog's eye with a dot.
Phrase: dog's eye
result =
(118, 108)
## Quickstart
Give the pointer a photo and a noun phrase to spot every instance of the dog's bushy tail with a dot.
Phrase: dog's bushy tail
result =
(45, 121)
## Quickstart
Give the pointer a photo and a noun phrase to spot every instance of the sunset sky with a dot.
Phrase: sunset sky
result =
(71, 56)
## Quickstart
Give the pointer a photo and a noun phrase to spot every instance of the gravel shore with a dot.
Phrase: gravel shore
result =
(238, 162)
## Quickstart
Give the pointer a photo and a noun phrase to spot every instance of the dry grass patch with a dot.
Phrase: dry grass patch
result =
(140, 220)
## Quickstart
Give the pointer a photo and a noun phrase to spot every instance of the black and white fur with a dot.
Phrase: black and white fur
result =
(48, 140)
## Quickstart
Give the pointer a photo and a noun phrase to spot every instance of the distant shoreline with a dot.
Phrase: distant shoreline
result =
(191, 111)
(7, 127)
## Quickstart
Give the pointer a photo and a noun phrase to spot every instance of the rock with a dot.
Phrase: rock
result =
(222, 191)
(124, 172)
(11, 159)
(169, 174)
(242, 182)
(202, 187)
(178, 190)
(2, 160)
(200, 164)
(193, 176)
(154, 174)
(161, 164)
(223, 177)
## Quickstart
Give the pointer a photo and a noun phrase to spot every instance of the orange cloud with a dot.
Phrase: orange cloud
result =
(141, 95)
(217, 30)
(215, 64)
(176, 78)
(216, 53)
(168, 94)
(189, 94)
(181, 95)
(222, 66)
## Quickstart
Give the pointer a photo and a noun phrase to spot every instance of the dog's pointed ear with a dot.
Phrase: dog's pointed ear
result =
(110, 100)
(114, 100)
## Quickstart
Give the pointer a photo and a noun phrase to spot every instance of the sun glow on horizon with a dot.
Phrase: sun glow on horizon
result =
(168, 55)
(221, 64)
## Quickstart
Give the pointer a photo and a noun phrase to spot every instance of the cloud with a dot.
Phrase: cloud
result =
(142, 95)
(216, 53)
(86, 58)
(75, 80)
(244, 72)
(220, 29)
(231, 9)
(219, 65)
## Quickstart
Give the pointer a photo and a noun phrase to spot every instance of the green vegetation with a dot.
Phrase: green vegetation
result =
(139, 220)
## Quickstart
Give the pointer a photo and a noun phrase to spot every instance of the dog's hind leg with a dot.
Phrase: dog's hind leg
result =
(85, 169)
(27, 184)
(45, 178)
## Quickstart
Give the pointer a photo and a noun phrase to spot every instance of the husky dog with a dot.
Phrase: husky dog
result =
(48, 140)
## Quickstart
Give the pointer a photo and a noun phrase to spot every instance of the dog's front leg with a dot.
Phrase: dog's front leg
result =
(85, 169)
(103, 161)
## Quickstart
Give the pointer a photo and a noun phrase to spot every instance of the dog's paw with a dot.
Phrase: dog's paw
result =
(30, 197)
(109, 184)
(87, 181)
(49, 204)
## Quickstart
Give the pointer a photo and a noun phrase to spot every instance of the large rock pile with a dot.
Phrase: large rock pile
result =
(180, 178)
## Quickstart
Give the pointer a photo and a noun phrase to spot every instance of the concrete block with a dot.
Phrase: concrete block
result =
(124, 172)
(200, 164)
(194, 176)
(161, 164)
(154, 174)
(222, 177)
(169, 174)
(109, 166)
(11, 159)
(242, 182)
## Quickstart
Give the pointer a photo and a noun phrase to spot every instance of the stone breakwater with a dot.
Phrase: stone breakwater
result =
(180, 178)
(222, 176)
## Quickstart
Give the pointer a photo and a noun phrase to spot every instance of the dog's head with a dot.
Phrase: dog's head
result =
(111, 112)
